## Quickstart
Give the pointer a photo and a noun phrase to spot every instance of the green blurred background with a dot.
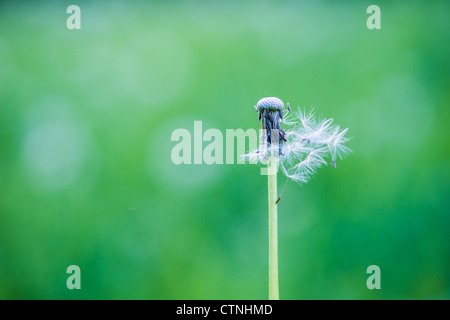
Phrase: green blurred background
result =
(86, 178)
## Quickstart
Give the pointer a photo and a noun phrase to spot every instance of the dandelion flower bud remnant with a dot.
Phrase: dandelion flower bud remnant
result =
(271, 113)
(304, 146)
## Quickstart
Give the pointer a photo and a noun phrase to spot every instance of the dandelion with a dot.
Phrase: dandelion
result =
(303, 147)
(298, 150)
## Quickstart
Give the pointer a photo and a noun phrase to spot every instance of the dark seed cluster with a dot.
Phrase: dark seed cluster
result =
(271, 113)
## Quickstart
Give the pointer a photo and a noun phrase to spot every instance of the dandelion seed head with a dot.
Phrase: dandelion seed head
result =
(270, 111)
(269, 103)
(304, 146)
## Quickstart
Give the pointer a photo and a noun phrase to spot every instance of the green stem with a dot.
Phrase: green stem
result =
(273, 229)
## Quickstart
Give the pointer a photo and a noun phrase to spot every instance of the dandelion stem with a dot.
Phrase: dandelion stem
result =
(273, 228)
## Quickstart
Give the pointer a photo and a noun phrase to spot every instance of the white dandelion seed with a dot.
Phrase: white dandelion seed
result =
(304, 146)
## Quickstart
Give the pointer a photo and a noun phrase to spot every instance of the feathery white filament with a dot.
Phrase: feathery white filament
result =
(308, 143)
